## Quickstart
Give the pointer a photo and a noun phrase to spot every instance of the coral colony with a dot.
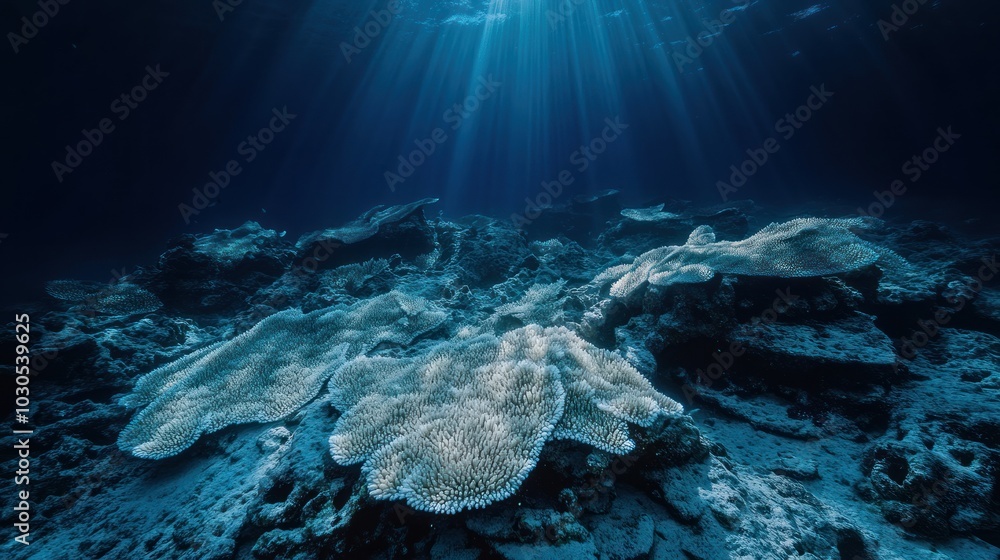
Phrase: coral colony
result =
(341, 393)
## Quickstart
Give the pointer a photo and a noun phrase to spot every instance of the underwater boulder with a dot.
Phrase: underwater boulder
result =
(580, 219)
(562, 257)
(737, 512)
(482, 251)
(378, 233)
(948, 489)
(217, 272)
(842, 352)
(937, 470)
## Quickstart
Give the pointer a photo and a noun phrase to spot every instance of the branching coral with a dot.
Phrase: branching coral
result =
(352, 277)
(265, 373)
(541, 303)
(463, 426)
(804, 247)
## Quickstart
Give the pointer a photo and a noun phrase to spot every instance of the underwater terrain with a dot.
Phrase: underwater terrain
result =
(677, 382)
(500, 279)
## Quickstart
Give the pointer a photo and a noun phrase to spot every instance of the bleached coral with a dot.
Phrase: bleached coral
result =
(541, 303)
(120, 298)
(265, 373)
(463, 426)
(651, 214)
(464, 434)
(352, 277)
(804, 247)
(70, 290)
(458, 427)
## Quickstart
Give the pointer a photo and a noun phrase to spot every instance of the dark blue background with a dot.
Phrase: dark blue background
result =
(685, 127)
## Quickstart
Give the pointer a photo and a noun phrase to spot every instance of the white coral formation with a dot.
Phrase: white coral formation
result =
(351, 277)
(651, 214)
(263, 374)
(804, 247)
(69, 290)
(121, 298)
(541, 303)
(463, 426)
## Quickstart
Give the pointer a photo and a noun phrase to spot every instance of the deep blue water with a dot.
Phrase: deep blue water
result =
(555, 82)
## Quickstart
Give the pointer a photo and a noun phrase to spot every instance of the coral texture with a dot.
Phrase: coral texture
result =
(263, 374)
(651, 214)
(462, 426)
(120, 298)
(804, 247)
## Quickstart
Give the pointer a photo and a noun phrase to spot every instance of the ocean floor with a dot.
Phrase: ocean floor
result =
(840, 381)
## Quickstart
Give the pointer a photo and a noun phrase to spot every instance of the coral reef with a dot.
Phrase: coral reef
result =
(120, 298)
(464, 425)
(487, 397)
(263, 374)
(800, 248)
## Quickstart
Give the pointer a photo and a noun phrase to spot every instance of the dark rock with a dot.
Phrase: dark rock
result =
(580, 219)
(936, 472)
(637, 233)
(484, 255)
(850, 350)
(624, 536)
(820, 449)
(796, 468)
(740, 514)
(217, 273)
(378, 233)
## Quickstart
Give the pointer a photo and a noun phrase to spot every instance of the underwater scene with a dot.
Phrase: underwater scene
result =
(500, 279)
